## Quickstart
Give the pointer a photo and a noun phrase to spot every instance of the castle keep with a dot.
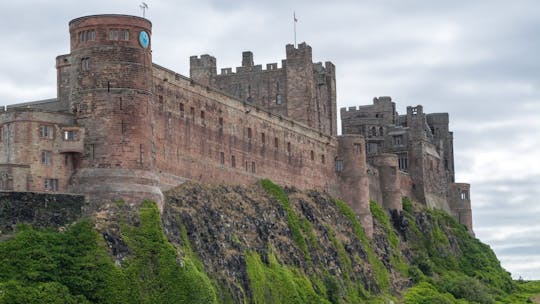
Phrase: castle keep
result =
(123, 127)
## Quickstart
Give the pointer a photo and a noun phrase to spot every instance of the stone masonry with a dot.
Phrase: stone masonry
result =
(123, 127)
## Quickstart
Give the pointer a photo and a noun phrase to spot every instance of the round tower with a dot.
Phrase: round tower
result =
(387, 164)
(111, 97)
(351, 169)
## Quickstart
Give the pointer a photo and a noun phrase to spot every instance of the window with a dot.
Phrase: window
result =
(222, 158)
(372, 148)
(252, 167)
(339, 165)
(263, 139)
(322, 159)
(220, 121)
(381, 131)
(312, 155)
(357, 148)
(46, 132)
(181, 106)
(161, 103)
(46, 158)
(289, 147)
(249, 133)
(233, 161)
(192, 113)
(116, 35)
(71, 135)
(464, 195)
(85, 64)
(51, 184)
(123, 127)
(87, 36)
(403, 161)
(124, 35)
(113, 35)
(92, 35)
(202, 116)
(279, 100)
(82, 36)
(276, 142)
(398, 140)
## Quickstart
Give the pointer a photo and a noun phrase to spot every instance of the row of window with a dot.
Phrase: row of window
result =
(114, 34)
(89, 35)
(119, 34)
(47, 132)
(221, 123)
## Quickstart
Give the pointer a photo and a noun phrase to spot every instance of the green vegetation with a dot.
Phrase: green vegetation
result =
(378, 268)
(274, 283)
(381, 217)
(46, 266)
(449, 264)
(154, 271)
(294, 224)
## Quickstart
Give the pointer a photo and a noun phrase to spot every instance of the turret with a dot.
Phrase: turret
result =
(202, 69)
(111, 97)
(350, 165)
(459, 197)
(387, 164)
(299, 78)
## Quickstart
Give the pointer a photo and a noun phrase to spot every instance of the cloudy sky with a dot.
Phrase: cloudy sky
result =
(477, 60)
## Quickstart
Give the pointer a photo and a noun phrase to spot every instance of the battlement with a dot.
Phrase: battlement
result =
(302, 50)
(204, 61)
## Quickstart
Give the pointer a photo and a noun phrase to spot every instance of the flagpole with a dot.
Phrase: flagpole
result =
(294, 22)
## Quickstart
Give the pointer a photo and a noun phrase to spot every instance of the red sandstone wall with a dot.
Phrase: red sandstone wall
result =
(194, 144)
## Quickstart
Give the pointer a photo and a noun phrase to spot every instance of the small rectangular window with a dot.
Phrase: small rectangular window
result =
(263, 139)
(357, 148)
(312, 155)
(51, 184)
(276, 142)
(124, 35)
(252, 167)
(339, 165)
(403, 162)
(233, 161)
(289, 147)
(46, 132)
(202, 116)
(192, 113)
(181, 110)
(113, 35)
(46, 157)
(92, 35)
(398, 140)
(278, 99)
(322, 159)
(222, 158)
(220, 121)
(249, 133)
(85, 64)
(71, 135)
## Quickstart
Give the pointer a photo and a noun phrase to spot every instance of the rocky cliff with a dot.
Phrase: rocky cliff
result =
(257, 244)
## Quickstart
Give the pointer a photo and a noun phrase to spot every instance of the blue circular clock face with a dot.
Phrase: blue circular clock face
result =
(144, 39)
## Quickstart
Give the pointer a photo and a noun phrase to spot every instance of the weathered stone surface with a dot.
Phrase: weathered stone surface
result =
(38, 209)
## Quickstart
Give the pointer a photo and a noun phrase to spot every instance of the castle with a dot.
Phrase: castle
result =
(123, 127)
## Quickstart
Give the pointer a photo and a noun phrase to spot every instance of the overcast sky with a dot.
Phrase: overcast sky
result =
(477, 60)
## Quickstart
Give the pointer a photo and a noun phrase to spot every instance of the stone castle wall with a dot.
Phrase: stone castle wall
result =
(203, 135)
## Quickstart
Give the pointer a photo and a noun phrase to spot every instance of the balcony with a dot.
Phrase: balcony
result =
(72, 140)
